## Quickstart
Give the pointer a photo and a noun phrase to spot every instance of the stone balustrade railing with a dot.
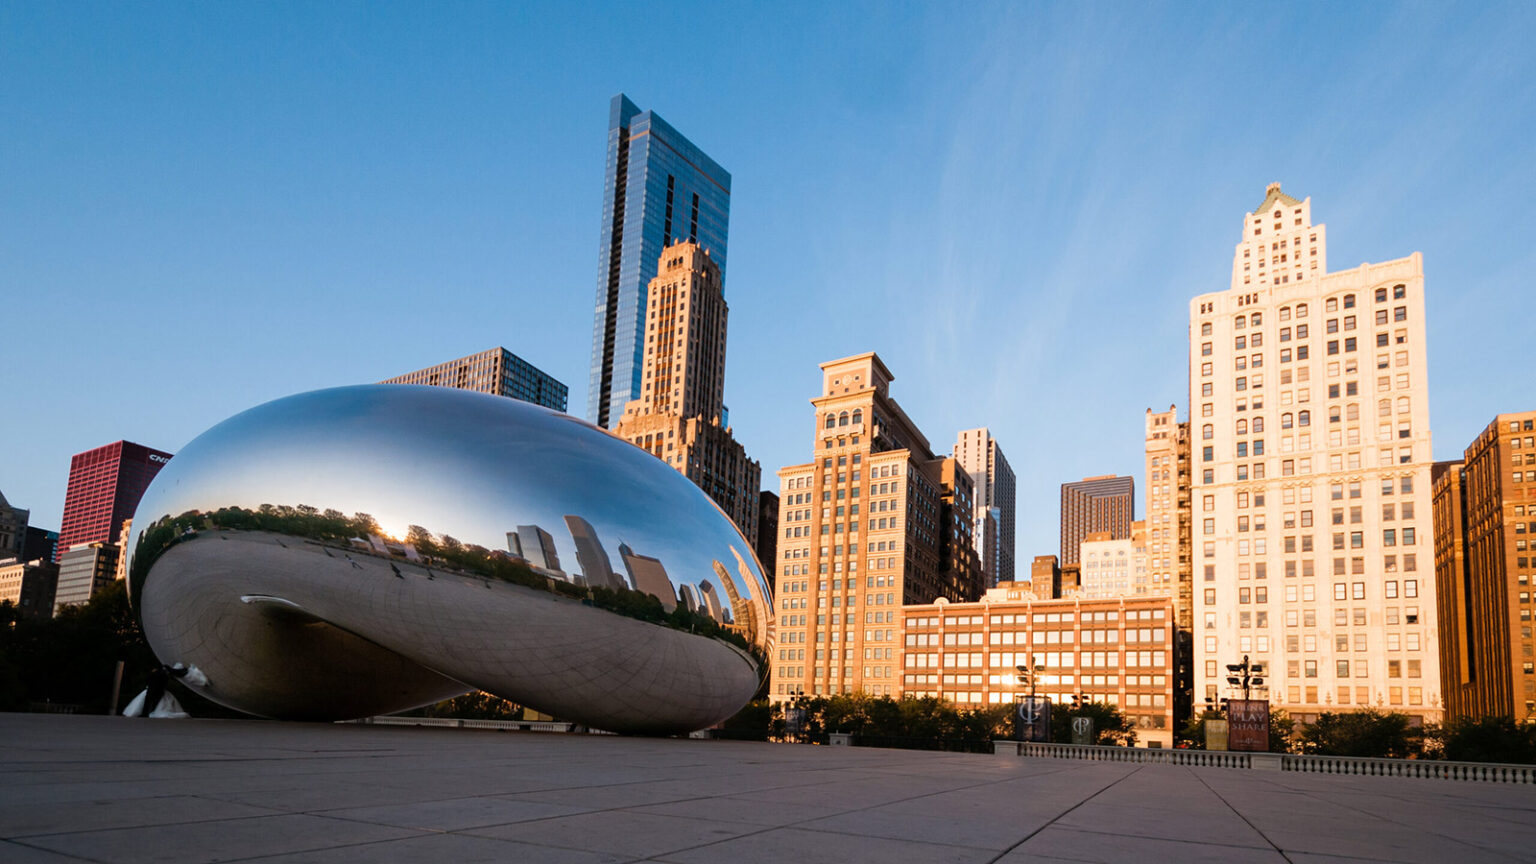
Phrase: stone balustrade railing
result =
(1483, 772)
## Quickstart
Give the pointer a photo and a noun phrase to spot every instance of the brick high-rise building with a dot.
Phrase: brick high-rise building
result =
(995, 485)
(1311, 460)
(679, 415)
(105, 485)
(1169, 554)
(1167, 484)
(659, 188)
(496, 371)
(1092, 505)
(1485, 562)
(864, 528)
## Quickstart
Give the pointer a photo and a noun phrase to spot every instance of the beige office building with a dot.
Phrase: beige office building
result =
(680, 415)
(873, 522)
(995, 486)
(1118, 568)
(1117, 650)
(1485, 562)
(1311, 468)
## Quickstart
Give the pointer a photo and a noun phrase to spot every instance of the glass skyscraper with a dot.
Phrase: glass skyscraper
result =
(659, 188)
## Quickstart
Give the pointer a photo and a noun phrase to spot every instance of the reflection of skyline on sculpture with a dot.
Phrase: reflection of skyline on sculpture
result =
(283, 464)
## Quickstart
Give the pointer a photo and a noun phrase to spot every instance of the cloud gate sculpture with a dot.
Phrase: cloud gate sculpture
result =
(366, 550)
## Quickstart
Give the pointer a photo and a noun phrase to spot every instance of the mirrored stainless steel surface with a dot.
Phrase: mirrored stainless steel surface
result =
(366, 550)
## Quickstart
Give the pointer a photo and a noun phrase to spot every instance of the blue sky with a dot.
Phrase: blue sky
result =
(206, 206)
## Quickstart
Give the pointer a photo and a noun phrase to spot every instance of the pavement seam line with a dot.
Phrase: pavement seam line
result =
(1027, 837)
(1246, 821)
(796, 825)
(1469, 844)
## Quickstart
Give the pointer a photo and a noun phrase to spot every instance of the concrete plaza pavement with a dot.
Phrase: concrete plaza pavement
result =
(122, 790)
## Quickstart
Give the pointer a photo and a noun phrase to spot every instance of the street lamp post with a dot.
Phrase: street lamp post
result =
(1029, 675)
(1245, 675)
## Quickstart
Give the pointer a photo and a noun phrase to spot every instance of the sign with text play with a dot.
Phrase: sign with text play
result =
(1248, 725)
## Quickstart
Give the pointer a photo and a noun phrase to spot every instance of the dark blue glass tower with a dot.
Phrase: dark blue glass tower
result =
(659, 188)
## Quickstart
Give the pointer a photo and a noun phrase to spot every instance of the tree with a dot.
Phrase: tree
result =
(1369, 733)
(70, 659)
(1110, 727)
(477, 705)
(1489, 739)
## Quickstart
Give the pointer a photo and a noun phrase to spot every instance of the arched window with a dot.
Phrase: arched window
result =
(831, 421)
(842, 419)
(1207, 432)
(1242, 427)
(1402, 404)
(1257, 319)
(1352, 411)
(1258, 425)
(1381, 295)
(1285, 421)
(858, 416)
(1303, 418)
(1384, 408)
(1349, 301)
(1301, 310)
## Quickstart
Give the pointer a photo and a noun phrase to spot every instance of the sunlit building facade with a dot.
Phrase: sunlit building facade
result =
(1118, 651)
(679, 415)
(869, 525)
(1311, 459)
(1485, 564)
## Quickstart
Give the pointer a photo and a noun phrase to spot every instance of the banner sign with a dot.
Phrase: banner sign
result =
(1032, 720)
(1248, 725)
(1215, 734)
(1082, 730)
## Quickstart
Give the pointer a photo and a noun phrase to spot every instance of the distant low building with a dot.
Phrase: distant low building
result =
(29, 586)
(497, 372)
(84, 572)
(1119, 651)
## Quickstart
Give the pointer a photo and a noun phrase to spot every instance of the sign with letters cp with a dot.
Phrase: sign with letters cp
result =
(1032, 722)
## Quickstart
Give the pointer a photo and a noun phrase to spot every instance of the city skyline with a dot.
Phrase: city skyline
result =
(1431, 162)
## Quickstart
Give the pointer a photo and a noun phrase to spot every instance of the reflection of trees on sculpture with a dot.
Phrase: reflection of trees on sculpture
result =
(335, 529)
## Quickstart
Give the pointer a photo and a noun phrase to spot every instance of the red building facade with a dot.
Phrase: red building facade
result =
(105, 485)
